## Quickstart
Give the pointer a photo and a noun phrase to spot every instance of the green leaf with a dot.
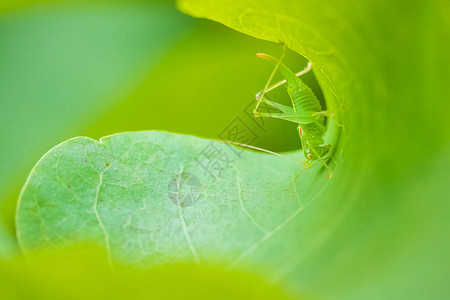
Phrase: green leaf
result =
(47, 109)
(155, 197)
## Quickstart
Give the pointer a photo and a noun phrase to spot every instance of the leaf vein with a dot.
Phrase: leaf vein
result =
(242, 204)
(99, 220)
(183, 223)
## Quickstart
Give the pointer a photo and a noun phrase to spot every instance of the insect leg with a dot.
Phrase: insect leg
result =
(302, 72)
(260, 95)
(286, 113)
(329, 114)
(324, 113)
(295, 117)
(323, 162)
(281, 107)
(298, 74)
(305, 166)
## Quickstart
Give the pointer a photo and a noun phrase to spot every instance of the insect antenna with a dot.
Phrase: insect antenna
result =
(261, 150)
(273, 153)
(254, 147)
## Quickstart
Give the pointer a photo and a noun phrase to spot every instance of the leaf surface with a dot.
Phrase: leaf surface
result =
(155, 197)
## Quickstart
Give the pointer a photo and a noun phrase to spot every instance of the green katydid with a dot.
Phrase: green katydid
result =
(306, 111)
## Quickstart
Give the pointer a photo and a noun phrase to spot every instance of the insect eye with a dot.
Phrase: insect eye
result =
(309, 156)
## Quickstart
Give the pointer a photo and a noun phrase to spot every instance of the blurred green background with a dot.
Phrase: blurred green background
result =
(79, 68)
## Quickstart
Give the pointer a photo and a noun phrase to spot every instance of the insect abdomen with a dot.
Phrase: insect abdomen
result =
(303, 98)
